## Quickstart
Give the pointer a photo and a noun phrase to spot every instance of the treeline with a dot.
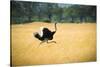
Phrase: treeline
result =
(23, 12)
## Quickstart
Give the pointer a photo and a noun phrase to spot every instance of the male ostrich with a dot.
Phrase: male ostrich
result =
(45, 34)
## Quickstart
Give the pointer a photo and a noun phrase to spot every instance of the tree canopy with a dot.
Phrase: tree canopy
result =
(24, 12)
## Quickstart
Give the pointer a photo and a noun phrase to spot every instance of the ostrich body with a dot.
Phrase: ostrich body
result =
(45, 34)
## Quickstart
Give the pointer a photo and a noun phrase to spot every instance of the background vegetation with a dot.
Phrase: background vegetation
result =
(25, 12)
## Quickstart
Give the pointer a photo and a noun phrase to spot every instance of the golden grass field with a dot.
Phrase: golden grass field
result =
(75, 43)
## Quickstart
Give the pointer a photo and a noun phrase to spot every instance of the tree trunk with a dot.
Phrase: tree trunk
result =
(49, 16)
(72, 19)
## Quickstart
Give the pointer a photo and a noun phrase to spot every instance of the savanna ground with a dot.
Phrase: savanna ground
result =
(75, 43)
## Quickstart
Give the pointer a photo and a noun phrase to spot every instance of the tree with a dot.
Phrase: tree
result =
(22, 12)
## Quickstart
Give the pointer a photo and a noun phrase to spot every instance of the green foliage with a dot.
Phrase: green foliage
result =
(24, 12)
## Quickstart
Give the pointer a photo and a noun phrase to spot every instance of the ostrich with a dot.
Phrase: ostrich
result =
(45, 34)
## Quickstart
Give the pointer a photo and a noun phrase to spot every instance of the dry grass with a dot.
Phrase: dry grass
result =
(75, 43)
